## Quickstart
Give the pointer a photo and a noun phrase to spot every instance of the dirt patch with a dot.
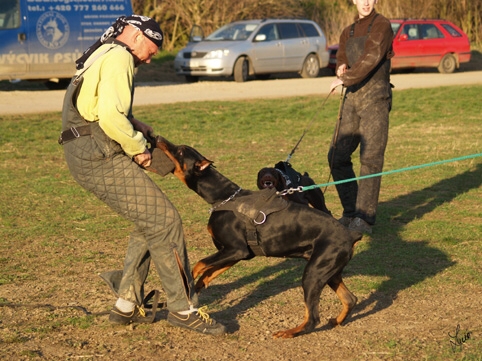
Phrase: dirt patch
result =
(47, 320)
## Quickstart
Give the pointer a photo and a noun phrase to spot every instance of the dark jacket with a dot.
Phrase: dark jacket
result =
(378, 47)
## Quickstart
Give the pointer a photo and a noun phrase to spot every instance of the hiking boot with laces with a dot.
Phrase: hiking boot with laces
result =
(124, 318)
(198, 321)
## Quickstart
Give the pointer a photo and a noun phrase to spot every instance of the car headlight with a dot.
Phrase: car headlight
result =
(216, 54)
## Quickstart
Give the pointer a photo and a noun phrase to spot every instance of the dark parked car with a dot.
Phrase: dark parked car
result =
(424, 43)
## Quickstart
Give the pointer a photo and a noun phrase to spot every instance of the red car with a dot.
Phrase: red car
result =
(424, 43)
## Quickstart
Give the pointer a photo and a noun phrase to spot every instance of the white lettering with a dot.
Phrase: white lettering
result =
(44, 58)
(38, 58)
(93, 30)
(58, 57)
(21, 59)
(66, 57)
(36, 8)
(7, 59)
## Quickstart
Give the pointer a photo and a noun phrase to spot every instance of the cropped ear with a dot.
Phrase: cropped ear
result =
(203, 164)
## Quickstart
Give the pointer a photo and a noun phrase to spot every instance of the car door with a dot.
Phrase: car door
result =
(295, 45)
(13, 46)
(267, 50)
(407, 48)
(433, 46)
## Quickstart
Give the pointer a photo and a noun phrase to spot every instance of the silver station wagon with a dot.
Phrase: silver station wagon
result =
(255, 48)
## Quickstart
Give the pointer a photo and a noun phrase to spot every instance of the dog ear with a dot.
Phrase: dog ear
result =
(203, 164)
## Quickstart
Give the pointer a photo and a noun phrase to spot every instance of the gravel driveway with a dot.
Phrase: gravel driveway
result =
(23, 102)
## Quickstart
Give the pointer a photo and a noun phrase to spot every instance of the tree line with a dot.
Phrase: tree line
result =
(177, 17)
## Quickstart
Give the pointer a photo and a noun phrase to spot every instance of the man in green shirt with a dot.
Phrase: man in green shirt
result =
(106, 149)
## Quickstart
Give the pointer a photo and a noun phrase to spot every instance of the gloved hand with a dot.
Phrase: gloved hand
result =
(335, 83)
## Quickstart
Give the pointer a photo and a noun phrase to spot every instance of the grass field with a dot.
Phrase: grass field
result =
(426, 248)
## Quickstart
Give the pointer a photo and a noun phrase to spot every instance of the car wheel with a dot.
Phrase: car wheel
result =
(448, 64)
(192, 79)
(241, 70)
(311, 67)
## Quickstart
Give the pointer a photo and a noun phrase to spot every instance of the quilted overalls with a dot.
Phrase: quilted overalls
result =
(99, 165)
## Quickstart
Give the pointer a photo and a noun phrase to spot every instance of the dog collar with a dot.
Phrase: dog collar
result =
(226, 200)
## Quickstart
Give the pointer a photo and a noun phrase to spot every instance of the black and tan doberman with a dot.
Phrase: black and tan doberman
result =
(283, 176)
(277, 227)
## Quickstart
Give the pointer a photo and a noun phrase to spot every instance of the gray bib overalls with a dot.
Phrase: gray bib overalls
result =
(99, 165)
(364, 123)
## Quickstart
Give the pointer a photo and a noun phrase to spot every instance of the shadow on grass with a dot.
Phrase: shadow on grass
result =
(402, 263)
(405, 264)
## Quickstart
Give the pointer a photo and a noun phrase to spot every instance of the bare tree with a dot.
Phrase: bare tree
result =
(178, 16)
(334, 15)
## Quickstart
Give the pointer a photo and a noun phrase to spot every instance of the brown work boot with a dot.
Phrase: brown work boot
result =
(358, 224)
(345, 220)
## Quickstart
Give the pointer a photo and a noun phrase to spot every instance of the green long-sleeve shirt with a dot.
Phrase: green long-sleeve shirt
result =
(106, 96)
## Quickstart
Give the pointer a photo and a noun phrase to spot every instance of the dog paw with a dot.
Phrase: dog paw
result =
(333, 322)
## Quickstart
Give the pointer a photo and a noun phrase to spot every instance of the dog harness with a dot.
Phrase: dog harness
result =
(292, 178)
(255, 209)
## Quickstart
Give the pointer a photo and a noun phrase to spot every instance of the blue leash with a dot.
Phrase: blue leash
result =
(307, 188)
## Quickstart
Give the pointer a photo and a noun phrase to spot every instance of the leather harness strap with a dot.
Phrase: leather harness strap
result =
(74, 133)
(77, 132)
(254, 209)
(252, 239)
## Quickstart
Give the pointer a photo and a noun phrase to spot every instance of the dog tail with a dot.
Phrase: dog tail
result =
(355, 236)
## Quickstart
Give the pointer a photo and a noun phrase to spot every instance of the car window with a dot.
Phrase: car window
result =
(411, 30)
(236, 31)
(451, 30)
(288, 31)
(271, 32)
(9, 14)
(395, 27)
(309, 29)
(430, 31)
